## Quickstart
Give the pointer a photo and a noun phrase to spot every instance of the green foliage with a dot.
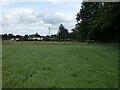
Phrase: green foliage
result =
(87, 14)
(7, 36)
(59, 66)
(99, 21)
(63, 32)
(75, 34)
(105, 25)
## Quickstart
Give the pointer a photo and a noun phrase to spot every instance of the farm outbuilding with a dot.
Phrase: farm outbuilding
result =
(14, 39)
(35, 37)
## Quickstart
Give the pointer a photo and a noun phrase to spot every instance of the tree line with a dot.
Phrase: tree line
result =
(62, 35)
(95, 21)
(99, 21)
(10, 36)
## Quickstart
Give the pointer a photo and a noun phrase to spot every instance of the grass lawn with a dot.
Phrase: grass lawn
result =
(60, 66)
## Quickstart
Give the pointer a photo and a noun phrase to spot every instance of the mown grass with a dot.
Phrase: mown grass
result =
(60, 66)
(43, 42)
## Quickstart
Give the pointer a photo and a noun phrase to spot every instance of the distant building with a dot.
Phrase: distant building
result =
(14, 39)
(35, 37)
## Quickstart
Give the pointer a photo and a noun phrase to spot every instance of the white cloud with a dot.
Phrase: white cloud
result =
(4, 3)
(55, 18)
(27, 21)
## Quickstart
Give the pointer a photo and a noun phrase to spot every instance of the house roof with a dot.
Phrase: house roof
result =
(34, 35)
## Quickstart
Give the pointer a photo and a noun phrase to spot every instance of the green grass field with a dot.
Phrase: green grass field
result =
(60, 66)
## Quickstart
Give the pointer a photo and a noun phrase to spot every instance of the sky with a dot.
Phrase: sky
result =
(30, 17)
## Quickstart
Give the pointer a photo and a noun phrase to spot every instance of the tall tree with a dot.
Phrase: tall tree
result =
(63, 32)
(99, 21)
(106, 24)
(85, 18)
(11, 36)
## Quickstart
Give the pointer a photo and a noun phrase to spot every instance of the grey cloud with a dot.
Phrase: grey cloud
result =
(54, 18)
(31, 21)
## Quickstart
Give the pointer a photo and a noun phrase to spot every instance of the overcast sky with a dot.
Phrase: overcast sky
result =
(31, 17)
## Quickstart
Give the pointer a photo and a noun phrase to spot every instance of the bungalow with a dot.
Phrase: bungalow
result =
(35, 37)
(14, 39)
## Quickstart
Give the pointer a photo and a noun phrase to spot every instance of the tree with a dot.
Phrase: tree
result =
(63, 32)
(10, 36)
(99, 21)
(17, 36)
(5, 37)
(75, 35)
(26, 37)
(85, 18)
(106, 24)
